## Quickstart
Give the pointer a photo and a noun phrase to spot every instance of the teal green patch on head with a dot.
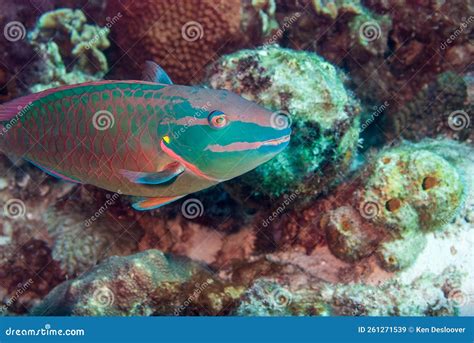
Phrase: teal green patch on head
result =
(218, 134)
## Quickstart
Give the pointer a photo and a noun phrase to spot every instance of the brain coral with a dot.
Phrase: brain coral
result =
(181, 36)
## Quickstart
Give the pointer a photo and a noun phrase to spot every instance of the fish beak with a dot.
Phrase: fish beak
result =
(277, 141)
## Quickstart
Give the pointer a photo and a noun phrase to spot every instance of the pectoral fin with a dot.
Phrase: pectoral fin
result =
(145, 204)
(171, 171)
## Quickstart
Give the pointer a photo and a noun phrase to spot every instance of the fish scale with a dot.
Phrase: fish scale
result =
(160, 141)
(86, 157)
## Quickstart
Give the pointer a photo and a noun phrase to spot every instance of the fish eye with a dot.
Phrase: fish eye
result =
(217, 119)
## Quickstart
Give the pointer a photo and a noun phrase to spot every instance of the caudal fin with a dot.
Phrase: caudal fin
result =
(10, 109)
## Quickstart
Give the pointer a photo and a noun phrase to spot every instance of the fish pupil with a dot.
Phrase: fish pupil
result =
(218, 119)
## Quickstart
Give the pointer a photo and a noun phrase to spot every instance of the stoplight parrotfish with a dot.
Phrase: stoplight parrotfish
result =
(150, 139)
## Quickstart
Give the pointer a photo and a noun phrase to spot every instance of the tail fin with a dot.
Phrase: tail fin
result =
(12, 108)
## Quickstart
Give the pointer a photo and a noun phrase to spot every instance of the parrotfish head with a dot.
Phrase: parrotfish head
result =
(219, 135)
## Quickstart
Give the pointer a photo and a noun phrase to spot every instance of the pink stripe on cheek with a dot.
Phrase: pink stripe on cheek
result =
(239, 146)
(242, 146)
(195, 170)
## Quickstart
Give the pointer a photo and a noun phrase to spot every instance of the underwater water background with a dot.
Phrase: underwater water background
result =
(367, 210)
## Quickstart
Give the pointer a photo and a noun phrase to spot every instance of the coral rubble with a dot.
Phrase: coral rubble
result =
(427, 295)
(71, 50)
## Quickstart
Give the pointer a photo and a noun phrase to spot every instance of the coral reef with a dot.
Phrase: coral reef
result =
(413, 60)
(412, 39)
(81, 238)
(374, 271)
(184, 37)
(386, 209)
(27, 273)
(27, 268)
(346, 236)
(324, 125)
(125, 282)
(426, 295)
(52, 230)
(267, 297)
(349, 220)
(15, 52)
(411, 189)
(147, 283)
(71, 50)
(390, 54)
(151, 283)
(401, 253)
(340, 27)
(443, 108)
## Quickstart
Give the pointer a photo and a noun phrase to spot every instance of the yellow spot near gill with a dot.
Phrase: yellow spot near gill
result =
(166, 139)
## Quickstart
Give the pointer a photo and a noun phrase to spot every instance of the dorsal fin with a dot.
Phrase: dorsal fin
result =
(152, 72)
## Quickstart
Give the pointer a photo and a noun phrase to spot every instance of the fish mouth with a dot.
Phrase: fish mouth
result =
(246, 146)
(276, 141)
